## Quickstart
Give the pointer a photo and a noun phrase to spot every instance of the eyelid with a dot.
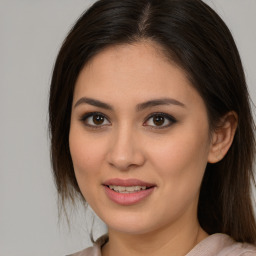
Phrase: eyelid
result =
(169, 117)
(85, 116)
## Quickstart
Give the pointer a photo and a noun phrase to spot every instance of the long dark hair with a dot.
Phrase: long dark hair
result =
(192, 35)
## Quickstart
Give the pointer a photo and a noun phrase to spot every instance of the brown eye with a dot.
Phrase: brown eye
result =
(98, 119)
(160, 120)
(95, 120)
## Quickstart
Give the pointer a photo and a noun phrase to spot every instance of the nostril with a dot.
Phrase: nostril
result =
(125, 161)
(124, 151)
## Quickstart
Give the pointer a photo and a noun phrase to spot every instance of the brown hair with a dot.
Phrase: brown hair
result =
(197, 39)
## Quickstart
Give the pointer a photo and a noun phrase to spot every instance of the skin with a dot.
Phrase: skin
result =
(129, 144)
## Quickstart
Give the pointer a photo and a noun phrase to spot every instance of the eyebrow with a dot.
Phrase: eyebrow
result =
(139, 107)
(158, 102)
(93, 102)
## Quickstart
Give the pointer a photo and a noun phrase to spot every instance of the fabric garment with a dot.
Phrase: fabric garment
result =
(213, 245)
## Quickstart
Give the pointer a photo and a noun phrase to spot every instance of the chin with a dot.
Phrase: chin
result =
(129, 223)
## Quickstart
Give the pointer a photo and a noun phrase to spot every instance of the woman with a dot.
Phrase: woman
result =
(151, 124)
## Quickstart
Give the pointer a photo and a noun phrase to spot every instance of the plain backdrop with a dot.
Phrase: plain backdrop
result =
(31, 32)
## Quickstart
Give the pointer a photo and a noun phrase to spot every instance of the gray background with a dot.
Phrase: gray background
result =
(31, 32)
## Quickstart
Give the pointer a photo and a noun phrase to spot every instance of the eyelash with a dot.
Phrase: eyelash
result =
(85, 118)
(166, 117)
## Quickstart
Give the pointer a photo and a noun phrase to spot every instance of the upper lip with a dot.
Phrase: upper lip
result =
(128, 183)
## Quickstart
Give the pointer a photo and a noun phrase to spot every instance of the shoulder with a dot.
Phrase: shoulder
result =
(94, 250)
(214, 245)
(222, 245)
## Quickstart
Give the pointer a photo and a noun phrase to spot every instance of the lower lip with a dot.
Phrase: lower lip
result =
(127, 198)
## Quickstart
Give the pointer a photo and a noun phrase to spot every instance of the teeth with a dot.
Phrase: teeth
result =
(131, 189)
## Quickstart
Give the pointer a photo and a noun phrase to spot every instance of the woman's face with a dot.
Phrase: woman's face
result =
(139, 140)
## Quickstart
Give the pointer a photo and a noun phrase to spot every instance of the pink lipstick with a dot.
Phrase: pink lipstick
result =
(127, 192)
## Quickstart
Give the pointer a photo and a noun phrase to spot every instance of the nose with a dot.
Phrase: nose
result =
(126, 150)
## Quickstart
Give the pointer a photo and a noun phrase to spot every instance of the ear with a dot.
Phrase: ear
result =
(222, 137)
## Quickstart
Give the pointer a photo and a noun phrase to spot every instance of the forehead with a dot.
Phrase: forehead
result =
(136, 70)
(124, 55)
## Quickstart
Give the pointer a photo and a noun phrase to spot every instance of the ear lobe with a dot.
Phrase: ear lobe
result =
(222, 137)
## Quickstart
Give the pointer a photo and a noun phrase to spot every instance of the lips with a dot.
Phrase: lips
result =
(127, 192)
(127, 183)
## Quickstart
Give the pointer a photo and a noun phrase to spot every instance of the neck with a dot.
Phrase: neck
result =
(165, 241)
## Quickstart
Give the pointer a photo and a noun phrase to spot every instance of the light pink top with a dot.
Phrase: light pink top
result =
(214, 245)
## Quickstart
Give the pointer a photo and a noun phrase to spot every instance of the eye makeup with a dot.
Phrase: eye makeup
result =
(159, 120)
(95, 120)
(156, 120)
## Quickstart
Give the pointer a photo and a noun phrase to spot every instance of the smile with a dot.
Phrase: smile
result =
(128, 192)
(122, 189)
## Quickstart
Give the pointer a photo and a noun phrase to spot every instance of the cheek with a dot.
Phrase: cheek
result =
(87, 159)
(84, 151)
(182, 160)
(180, 164)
